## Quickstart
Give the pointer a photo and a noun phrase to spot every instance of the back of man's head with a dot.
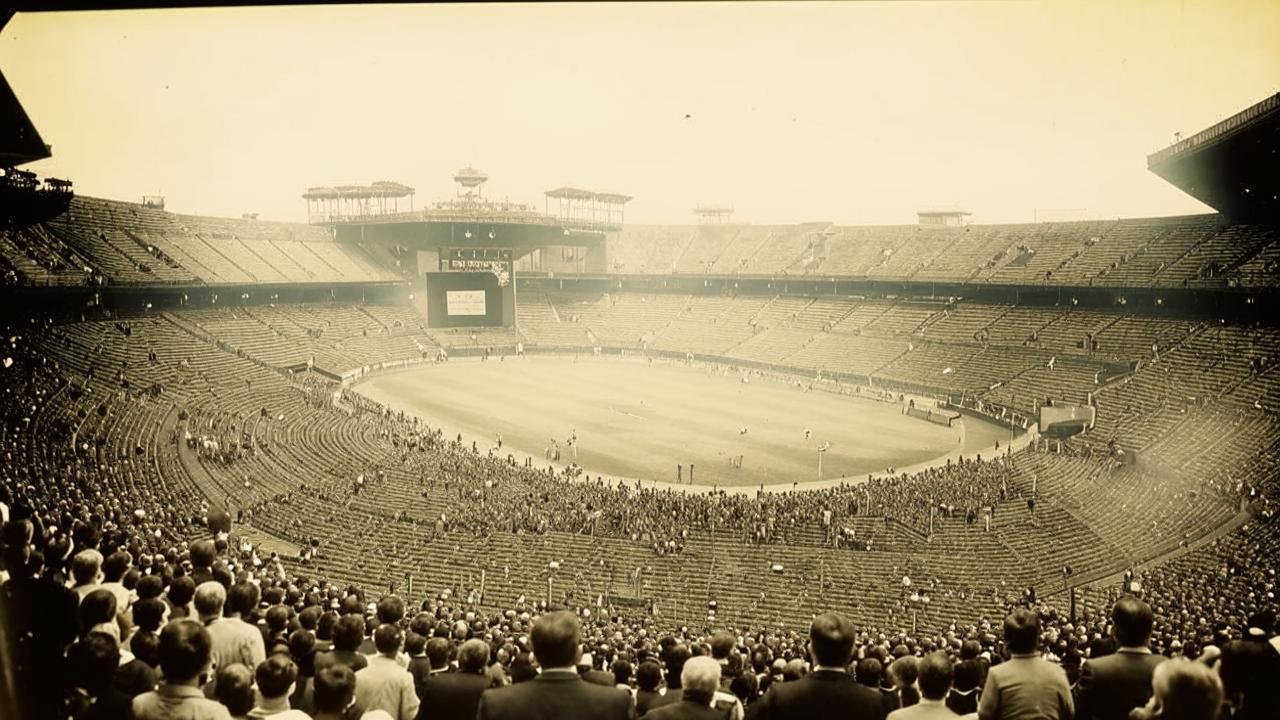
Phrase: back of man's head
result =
(275, 676)
(868, 672)
(202, 553)
(905, 670)
(388, 639)
(210, 598)
(335, 686)
(93, 662)
(184, 650)
(970, 650)
(234, 688)
(677, 656)
(242, 598)
(1186, 690)
(1131, 622)
(1022, 631)
(85, 566)
(115, 565)
(831, 640)
(722, 643)
(473, 656)
(935, 674)
(390, 609)
(348, 633)
(648, 675)
(555, 639)
(438, 652)
(968, 673)
(701, 674)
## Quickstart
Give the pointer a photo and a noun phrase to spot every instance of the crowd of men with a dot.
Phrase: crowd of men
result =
(214, 632)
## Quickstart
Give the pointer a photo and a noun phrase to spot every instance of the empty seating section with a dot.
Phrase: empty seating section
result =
(542, 327)
(647, 248)
(1174, 239)
(709, 242)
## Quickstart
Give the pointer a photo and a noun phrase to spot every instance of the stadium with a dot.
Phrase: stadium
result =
(486, 410)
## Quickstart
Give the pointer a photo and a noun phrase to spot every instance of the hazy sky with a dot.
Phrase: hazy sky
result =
(855, 113)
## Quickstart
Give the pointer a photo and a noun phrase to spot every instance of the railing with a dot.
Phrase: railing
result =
(1215, 131)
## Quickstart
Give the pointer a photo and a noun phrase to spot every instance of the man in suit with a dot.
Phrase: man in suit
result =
(455, 696)
(828, 692)
(934, 675)
(700, 678)
(383, 684)
(1026, 687)
(1111, 686)
(558, 691)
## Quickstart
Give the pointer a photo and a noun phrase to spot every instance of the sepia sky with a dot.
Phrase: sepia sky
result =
(850, 112)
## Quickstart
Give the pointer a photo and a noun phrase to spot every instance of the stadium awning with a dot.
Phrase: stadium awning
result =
(20, 142)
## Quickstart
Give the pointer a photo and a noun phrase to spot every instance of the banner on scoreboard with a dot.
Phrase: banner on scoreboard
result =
(491, 260)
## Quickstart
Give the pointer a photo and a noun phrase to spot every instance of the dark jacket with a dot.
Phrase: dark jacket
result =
(692, 706)
(1113, 685)
(555, 695)
(452, 696)
(821, 695)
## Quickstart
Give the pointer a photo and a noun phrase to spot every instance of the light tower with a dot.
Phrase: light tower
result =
(471, 183)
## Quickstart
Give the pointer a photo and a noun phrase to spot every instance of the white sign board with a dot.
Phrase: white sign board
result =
(465, 302)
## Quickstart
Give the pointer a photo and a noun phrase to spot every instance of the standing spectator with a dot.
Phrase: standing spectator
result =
(335, 692)
(828, 692)
(347, 636)
(1113, 685)
(234, 689)
(934, 674)
(113, 570)
(455, 696)
(558, 692)
(275, 679)
(648, 677)
(86, 571)
(185, 659)
(700, 678)
(963, 698)
(92, 666)
(1026, 687)
(384, 684)
(234, 640)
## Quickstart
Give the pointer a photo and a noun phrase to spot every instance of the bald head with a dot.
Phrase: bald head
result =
(701, 674)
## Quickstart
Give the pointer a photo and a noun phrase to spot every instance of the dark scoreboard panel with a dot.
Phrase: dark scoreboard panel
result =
(473, 288)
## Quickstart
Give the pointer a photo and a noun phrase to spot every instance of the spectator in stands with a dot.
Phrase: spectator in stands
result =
(347, 636)
(1111, 686)
(302, 648)
(1248, 670)
(1183, 690)
(185, 659)
(276, 677)
(558, 692)
(699, 679)
(383, 684)
(648, 678)
(963, 698)
(1026, 686)
(234, 640)
(113, 570)
(92, 666)
(934, 673)
(828, 692)
(335, 692)
(455, 696)
(903, 671)
(86, 570)
(234, 689)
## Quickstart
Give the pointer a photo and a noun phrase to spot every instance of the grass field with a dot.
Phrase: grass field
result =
(634, 420)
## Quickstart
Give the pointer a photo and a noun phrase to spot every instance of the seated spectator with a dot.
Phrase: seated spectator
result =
(185, 659)
(234, 685)
(1026, 685)
(699, 680)
(935, 674)
(383, 684)
(276, 677)
(1184, 690)
(456, 696)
